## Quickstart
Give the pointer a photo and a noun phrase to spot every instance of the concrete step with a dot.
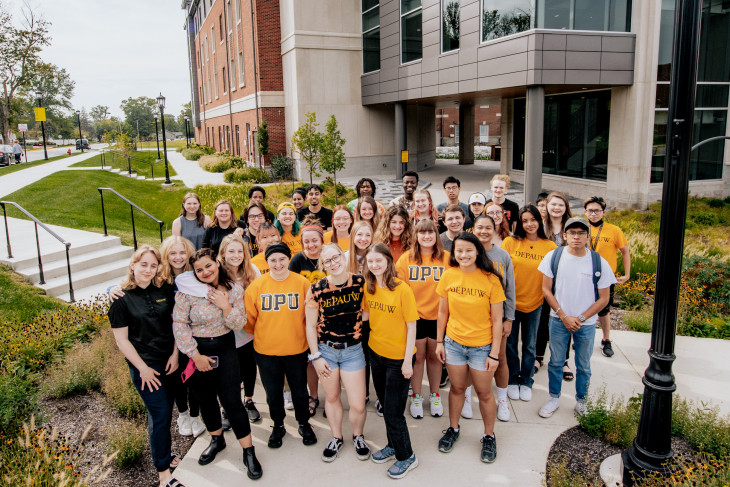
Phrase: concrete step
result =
(115, 270)
(92, 292)
(79, 262)
(25, 252)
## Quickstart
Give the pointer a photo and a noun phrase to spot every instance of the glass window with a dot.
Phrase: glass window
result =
(502, 18)
(238, 10)
(518, 134)
(411, 31)
(619, 17)
(450, 16)
(596, 15)
(229, 16)
(589, 16)
(370, 36)
(553, 14)
(714, 62)
(240, 69)
(232, 71)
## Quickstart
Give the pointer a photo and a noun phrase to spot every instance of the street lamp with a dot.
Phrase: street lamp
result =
(81, 137)
(39, 97)
(187, 140)
(157, 136)
(161, 104)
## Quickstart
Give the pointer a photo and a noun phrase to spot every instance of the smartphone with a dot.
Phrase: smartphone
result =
(214, 364)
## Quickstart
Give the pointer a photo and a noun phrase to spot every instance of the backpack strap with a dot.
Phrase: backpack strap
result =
(554, 264)
(596, 259)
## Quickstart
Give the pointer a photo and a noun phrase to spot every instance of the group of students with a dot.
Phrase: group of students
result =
(311, 296)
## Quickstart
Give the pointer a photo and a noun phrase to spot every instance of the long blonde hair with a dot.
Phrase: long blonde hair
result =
(353, 266)
(390, 274)
(245, 267)
(129, 282)
(165, 272)
(432, 211)
(382, 234)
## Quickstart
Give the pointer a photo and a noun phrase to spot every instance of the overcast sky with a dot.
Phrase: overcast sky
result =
(116, 49)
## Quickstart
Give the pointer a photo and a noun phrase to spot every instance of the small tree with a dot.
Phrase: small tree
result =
(333, 156)
(262, 140)
(308, 142)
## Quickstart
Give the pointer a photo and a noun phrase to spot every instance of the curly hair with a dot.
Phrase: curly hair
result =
(382, 234)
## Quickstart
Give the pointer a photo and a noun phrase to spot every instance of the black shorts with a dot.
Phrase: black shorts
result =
(607, 309)
(425, 329)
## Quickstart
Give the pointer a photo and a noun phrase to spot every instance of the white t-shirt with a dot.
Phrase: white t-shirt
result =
(574, 286)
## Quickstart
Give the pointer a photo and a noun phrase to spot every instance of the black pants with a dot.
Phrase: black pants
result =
(392, 389)
(184, 397)
(247, 366)
(543, 334)
(273, 369)
(224, 383)
(366, 352)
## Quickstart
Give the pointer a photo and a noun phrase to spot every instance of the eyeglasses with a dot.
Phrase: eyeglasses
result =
(594, 212)
(334, 260)
(256, 217)
(576, 234)
(495, 213)
(342, 219)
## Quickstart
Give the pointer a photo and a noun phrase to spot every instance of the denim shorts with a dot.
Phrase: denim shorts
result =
(457, 354)
(350, 359)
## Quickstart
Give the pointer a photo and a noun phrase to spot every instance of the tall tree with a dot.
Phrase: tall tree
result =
(20, 60)
(262, 140)
(307, 140)
(99, 113)
(186, 112)
(333, 154)
(142, 110)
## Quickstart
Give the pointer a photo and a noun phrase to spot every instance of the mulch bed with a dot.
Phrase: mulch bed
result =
(583, 454)
(72, 415)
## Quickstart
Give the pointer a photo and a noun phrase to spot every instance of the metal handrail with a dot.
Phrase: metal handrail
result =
(132, 206)
(129, 159)
(37, 222)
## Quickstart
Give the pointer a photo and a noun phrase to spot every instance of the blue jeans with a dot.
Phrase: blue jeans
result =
(159, 414)
(460, 355)
(559, 340)
(350, 359)
(520, 372)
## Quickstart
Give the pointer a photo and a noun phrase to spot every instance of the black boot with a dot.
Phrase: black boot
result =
(308, 436)
(277, 434)
(252, 464)
(217, 443)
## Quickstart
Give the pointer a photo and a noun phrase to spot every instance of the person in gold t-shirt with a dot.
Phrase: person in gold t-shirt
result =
(288, 225)
(391, 307)
(527, 247)
(268, 234)
(275, 316)
(469, 335)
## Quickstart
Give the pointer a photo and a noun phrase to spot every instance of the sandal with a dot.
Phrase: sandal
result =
(313, 405)
(175, 461)
(538, 363)
(567, 375)
(173, 482)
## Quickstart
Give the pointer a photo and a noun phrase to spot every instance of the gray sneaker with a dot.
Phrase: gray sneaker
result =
(400, 468)
(489, 448)
(446, 443)
(384, 455)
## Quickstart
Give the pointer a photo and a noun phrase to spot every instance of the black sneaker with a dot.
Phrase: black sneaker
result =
(253, 413)
(379, 408)
(444, 377)
(446, 443)
(225, 424)
(606, 348)
(489, 448)
(277, 435)
(333, 448)
(307, 434)
(362, 450)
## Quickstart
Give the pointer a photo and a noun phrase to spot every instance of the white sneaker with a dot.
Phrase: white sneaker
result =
(549, 408)
(183, 424)
(513, 392)
(197, 426)
(580, 408)
(437, 409)
(417, 406)
(503, 413)
(288, 404)
(525, 393)
(466, 411)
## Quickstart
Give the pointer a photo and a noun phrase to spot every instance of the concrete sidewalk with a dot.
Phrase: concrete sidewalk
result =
(190, 173)
(701, 372)
(19, 179)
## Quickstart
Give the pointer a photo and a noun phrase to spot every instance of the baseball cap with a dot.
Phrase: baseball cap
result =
(577, 222)
(477, 198)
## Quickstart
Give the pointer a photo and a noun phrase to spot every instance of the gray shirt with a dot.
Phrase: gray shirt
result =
(17, 149)
(503, 266)
(446, 241)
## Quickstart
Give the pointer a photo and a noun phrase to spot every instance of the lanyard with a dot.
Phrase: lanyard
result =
(598, 235)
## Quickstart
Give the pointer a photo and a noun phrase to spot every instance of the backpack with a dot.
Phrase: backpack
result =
(595, 258)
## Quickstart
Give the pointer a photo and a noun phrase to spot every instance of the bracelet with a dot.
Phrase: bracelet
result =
(439, 341)
(557, 311)
(314, 356)
(489, 356)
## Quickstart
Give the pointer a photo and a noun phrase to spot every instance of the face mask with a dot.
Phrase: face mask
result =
(596, 224)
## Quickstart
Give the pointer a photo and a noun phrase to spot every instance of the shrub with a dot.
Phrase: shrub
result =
(561, 476)
(344, 194)
(639, 320)
(246, 174)
(282, 167)
(79, 373)
(18, 394)
(127, 441)
(215, 163)
(702, 426)
(614, 420)
(116, 383)
(192, 154)
(716, 203)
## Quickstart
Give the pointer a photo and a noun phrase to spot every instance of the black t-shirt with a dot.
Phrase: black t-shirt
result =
(303, 265)
(214, 236)
(324, 215)
(250, 239)
(269, 218)
(511, 211)
(340, 311)
(147, 313)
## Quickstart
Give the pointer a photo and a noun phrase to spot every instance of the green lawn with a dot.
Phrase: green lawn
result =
(174, 144)
(51, 201)
(142, 163)
(26, 165)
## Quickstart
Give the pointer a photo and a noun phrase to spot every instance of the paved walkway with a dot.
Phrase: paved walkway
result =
(701, 373)
(189, 172)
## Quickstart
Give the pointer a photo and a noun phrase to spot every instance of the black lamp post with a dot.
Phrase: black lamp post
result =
(187, 139)
(157, 136)
(161, 104)
(81, 137)
(39, 97)
(652, 447)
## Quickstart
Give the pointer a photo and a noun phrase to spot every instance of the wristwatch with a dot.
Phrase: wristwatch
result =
(582, 318)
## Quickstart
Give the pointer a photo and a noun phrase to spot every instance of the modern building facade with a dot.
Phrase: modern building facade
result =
(577, 89)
